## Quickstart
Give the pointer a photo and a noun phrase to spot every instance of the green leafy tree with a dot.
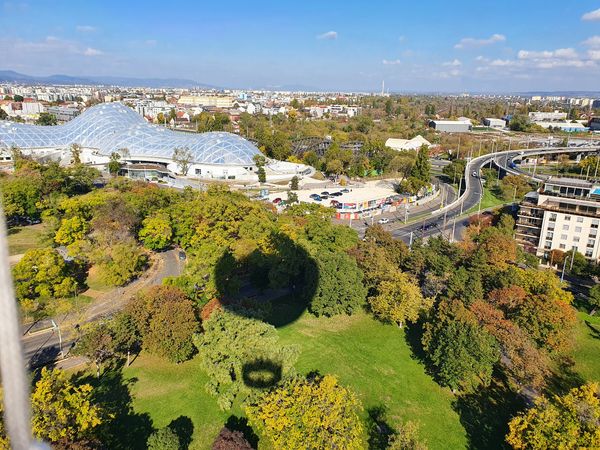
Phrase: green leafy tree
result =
(114, 163)
(569, 422)
(75, 154)
(294, 183)
(71, 230)
(339, 285)
(292, 197)
(230, 345)
(316, 413)
(97, 344)
(519, 122)
(120, 262)
(61, 410)
(183, 158)
(455, 171)
(156, 232)
(594, 297)
(46, 119)
(163, 439)
(398, 299)
(43, 273)
(422, 168)
(461, 351)
(125, 334)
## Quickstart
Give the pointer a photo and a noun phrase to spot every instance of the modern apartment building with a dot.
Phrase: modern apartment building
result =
(564, 214)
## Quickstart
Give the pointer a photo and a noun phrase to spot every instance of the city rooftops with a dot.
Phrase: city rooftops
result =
(569, 182)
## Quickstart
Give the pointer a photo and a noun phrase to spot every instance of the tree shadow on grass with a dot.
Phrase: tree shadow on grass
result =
(261, 373)
(594, 330)
(379, 430)
(485, 414)
(564, 377)
(125, 429)
(184, 429)
(240, 424)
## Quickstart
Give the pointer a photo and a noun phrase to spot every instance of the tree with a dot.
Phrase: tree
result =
(125, 334)
(163, 439)
(43, 273)
(75, 154)
(171, 329)
(120, 262)
(455, 170)
(422, 168)
(46, 119)
(183, 158)
(260, 162)
(462, 353)
(594, 297)
(406, 438)
(97, 344)
(519, 122)
(21, 196)
(339, 285)
(166, 322)
(71, 230)
(398, 299)
(18, 98)
(114, 163)
(156, 232)
(241, 354)
(3, 114)
(579, 265)
(569, 422)
(62, 410)
(231, 440)
(294, 183)
(513, 187)
(314, 413)
(292, 197)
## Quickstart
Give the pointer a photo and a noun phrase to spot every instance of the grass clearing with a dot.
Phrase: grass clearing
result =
(586, 352)
(371, 358)
(21, 239)
(94, 281)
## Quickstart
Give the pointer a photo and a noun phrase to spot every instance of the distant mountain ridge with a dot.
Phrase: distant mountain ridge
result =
(11, 76)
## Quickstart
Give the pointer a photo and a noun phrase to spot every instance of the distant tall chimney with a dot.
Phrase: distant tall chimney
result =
(382, 88)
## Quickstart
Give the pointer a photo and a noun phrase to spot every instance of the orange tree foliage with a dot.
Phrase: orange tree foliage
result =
(303, 414)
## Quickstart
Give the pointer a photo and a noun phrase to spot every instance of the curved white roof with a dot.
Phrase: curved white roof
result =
(111, 126)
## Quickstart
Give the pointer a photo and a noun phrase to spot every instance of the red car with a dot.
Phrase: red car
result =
(277, 200)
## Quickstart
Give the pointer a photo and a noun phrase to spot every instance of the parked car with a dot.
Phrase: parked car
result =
(313, 196)
(277, 200)
(336, 194)
(345, 191)
(324, 193)
(383, 221)
(317, 198)
(324, 197)
(475, 174)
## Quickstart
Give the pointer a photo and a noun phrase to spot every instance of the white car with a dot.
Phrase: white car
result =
(383, 221)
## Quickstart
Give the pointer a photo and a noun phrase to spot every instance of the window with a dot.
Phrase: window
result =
(593, 233)
(576, 239)
(565, 227)
(567, 218)
(562, 246)
(577, 229)
(589, 253)
(552, 217)
(591, 242)
(563, 237)
(548, 245)
(549, 235)
(551, 226)
(595, 223)
(580, 220)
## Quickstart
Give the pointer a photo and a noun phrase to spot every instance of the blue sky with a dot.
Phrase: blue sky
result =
(513, 45)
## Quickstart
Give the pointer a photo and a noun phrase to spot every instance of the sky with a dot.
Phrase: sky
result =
(427, 46)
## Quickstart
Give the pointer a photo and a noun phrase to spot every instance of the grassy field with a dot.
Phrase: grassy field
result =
(489, 200)
(21, 239)
(373, 359)
(586, 353)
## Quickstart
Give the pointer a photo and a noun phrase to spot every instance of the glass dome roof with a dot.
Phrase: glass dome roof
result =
(112, 126)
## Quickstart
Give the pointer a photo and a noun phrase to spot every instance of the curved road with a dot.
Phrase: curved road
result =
(450, 221)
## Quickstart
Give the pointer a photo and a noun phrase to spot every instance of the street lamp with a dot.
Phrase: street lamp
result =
(562, 276)
(56, 327)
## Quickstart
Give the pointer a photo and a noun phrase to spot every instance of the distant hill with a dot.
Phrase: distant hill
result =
(15, 77)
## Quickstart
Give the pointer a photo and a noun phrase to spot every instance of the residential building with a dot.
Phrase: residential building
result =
(541, 116)
(63, 113)
(563, 215)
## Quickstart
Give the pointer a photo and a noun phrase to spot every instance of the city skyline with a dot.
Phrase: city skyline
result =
(342, 47)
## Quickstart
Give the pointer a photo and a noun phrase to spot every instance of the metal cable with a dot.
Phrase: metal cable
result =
(12, 366)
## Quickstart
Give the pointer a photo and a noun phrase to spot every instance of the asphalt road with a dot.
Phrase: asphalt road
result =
(43, 346)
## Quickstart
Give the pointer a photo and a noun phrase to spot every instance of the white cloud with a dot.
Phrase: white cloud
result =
(329, 35)
(561, 53)
(472, 42)
(592, 41)
(392, 62)
(454, 63)
(150, 42)
(502, 63)
(594, 55)
(85, 28)
(92, 52)
(592, 15)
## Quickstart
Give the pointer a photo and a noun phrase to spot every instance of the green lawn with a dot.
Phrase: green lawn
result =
(587, 347)
(21, 239)
(371, 358)
(94, 281)
(489, 200)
